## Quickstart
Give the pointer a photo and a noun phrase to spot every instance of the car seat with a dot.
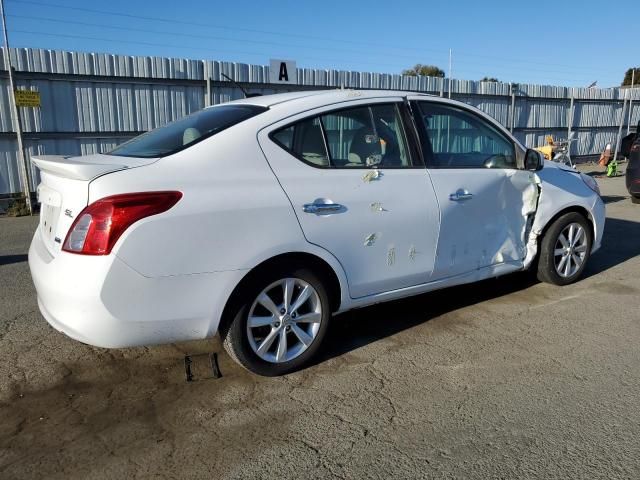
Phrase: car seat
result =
(190, 135)
(365, 149)
(312, 146)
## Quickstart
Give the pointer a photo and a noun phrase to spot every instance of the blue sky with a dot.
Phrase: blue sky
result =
(568, 43)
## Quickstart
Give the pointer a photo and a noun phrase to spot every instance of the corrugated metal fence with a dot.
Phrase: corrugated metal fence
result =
(92, 102)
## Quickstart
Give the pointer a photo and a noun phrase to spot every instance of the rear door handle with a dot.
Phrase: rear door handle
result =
(460, 195)
(322, 208)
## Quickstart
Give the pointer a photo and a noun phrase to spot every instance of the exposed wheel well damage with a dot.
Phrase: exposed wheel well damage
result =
(581, 210)
(295, 260)
(533, 247)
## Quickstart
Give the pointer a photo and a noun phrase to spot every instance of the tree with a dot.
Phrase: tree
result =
(628, 76)
(489, 79)
(424, 70)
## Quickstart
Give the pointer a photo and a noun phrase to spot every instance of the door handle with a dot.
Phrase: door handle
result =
(322, 208)
(460, 195)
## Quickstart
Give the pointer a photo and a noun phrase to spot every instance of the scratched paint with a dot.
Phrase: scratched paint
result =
(533, 227)
(370, 240)
(391, 256)
(412, 253)
(371, 175)
(377, 207)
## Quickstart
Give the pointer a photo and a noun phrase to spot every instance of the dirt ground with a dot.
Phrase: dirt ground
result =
(507, 378)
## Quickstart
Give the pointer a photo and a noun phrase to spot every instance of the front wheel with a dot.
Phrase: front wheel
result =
(279, 322)
(565, 249)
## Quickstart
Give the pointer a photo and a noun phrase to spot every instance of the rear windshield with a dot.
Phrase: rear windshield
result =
(185, 132)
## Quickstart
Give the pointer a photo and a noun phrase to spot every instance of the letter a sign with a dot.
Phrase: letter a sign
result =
(282, 71)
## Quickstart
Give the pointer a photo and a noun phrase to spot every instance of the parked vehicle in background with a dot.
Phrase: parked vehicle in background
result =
(259, 219)
(630, 148)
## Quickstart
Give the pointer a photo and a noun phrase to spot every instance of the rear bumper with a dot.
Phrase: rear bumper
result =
(103, 302)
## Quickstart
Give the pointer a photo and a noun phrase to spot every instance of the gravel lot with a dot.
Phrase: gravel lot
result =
(504, 379)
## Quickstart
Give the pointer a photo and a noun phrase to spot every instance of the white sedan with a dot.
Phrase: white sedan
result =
(261, 219)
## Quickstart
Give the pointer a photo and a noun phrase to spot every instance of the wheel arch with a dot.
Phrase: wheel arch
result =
(572, 208)
(299, 259)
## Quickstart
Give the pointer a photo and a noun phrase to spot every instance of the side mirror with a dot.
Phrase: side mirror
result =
(533, 160)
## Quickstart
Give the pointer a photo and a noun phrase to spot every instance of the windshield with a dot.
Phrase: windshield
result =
(185, 132)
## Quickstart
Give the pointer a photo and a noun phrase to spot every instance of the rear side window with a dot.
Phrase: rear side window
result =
(361, 137)
(306, 139)
(187, 131)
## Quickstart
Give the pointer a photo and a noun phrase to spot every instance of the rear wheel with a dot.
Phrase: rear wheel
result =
(635, 199)
(565, 249)
(279, 321)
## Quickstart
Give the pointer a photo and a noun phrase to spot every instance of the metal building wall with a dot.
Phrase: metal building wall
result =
(93, 102)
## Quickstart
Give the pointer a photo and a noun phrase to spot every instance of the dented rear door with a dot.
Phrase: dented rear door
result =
(362, 202)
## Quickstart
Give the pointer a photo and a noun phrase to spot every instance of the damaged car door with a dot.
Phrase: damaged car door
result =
(487, 200)
(360, 191)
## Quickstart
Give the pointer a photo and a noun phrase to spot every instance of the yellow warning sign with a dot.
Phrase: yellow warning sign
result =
(27, 98)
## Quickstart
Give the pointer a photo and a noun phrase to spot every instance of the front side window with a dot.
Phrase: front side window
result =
(458, 139)
(185, 132)
(361, 137)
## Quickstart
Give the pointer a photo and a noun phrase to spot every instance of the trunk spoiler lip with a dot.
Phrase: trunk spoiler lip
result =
(82, 167)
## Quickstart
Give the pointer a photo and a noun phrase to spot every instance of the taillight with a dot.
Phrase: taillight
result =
(97, 228)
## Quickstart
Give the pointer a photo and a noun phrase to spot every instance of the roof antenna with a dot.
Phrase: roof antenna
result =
(244, 92)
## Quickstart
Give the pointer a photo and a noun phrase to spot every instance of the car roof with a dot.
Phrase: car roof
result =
(282, 105)
(321, 97)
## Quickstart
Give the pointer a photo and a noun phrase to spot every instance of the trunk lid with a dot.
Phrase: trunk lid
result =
(64, 189)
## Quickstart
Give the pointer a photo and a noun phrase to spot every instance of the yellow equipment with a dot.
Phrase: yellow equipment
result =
(548, 149)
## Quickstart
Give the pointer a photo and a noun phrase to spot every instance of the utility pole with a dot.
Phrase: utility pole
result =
(633, 81)
(570, 114)
(619, 137)
(512, 119)
(22, 162)
(450, 54)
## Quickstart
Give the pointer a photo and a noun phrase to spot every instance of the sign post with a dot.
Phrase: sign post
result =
(283, 71)
(22, 161)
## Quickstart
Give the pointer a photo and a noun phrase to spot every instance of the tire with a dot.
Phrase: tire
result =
(635, 199)
(244, 344)
(551, 268)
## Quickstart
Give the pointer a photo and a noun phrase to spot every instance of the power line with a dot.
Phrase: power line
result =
(259, 42)
(166, 45)
(252, 53)
(281, 34)
(210, 25)
(194, 35)
(494, 70)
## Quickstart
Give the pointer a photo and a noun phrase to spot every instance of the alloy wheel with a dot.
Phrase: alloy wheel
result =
(284, 320)
(570, 250)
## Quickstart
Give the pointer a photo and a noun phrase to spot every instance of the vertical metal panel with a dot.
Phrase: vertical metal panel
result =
(9, 178)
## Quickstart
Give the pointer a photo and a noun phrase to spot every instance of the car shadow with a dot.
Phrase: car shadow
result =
(361, 327)
(596, 173)
(619, 244)
(9, 259)
(613, 198)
